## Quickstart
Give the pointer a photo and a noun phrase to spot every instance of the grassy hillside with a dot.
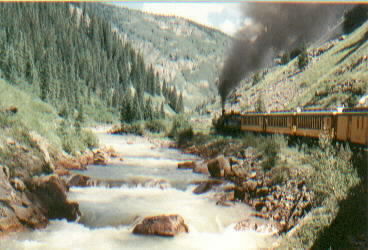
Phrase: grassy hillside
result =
(34, 133)
(32, 113)
(336, 75)
(186, 54)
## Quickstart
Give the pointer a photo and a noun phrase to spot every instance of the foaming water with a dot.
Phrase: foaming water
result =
(123, 206)
(143, 160)
(110, 214)
(63, 235)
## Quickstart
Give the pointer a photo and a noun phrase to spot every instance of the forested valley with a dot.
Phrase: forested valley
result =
(72, 59)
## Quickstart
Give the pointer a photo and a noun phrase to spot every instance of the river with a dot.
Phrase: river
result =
(153, 186)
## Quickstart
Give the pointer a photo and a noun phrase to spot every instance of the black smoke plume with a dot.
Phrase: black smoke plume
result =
(274, 27)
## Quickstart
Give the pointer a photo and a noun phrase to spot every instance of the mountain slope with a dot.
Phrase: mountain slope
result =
(336, 75)
(188, 55)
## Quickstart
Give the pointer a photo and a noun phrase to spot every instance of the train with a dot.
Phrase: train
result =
(342, 124)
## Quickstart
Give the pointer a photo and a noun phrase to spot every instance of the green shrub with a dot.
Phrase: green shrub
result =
(285, 58)
(184, 136)
(74, 140)
(4, 120)
(270, 149)
(303, 60)
(257, 77)
(259, 105)
(296, 52)
(69, 144)
(155, 126)
(89, 139)
(21, 135)
(134, 128)
(179, 123)
(334, 173)
(280, 174)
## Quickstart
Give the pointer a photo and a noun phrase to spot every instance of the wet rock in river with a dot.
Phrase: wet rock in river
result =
(201, 168)
(50, 193)
(100, 157)
(219, 167)
(186, 165)
(162, 225)
(78, 180)
(206, 186)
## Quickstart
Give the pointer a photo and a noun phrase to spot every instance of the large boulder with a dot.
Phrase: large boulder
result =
(17, 212)
(162, 225)
(78, 180)
(219, 167)
(50, 192)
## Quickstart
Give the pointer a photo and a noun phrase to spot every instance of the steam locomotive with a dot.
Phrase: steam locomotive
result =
(343, 124)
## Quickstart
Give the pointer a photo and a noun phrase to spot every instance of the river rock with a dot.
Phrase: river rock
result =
(18, 184)
(50, 192)
(78, 180)
(162, 225)
(250, 185)
(219, 167)
(201, 168)
(100, 157)
(261, 227)
(186, 165)
(206, 186)
(17, 213)
(86, 159)
(69, 163)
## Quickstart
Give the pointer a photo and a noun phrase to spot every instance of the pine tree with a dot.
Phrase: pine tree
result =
(74, 58)
(180, 104)
(149, 112)
(162, 111)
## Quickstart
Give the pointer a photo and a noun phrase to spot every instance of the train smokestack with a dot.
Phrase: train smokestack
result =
(270, 29)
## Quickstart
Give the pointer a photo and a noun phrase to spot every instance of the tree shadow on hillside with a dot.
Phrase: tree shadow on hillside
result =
(354, 47)
(349, 230)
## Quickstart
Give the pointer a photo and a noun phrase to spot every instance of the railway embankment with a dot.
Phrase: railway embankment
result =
(298, 188)
(282, 202)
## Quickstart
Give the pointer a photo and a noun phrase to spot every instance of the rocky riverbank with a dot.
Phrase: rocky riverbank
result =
(29, 201)
(283, 203)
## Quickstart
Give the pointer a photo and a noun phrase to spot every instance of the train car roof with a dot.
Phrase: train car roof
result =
(338, 111)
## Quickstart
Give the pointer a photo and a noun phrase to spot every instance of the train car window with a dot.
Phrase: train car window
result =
(362, 122)
(357, 121)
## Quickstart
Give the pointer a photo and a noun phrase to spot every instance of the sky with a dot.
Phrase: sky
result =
(220, 15)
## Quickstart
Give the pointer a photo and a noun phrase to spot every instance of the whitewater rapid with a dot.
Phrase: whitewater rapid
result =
(110, 214)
